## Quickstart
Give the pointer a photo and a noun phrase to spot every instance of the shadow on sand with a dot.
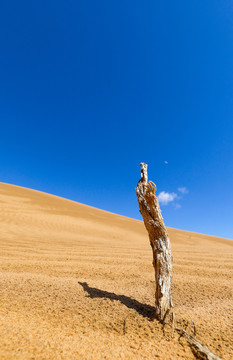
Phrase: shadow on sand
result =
(142, 309)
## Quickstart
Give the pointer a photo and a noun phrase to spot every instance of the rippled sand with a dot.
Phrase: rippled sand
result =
(78, 283)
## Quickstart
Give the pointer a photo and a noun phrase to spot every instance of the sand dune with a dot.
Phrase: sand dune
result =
(78, 283)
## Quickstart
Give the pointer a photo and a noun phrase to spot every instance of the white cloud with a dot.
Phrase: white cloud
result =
(183, 190)
(177, 206)
(165, 197)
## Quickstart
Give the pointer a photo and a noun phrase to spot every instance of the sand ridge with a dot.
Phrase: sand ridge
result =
(78, 283)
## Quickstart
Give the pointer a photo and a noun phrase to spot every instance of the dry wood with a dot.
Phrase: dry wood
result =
(199, 350)
(159, 241)
(162, 261)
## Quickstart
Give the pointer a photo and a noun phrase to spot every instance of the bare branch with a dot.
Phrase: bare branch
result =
(199, 350)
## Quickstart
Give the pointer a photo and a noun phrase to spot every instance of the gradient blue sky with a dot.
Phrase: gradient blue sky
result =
(89, 89)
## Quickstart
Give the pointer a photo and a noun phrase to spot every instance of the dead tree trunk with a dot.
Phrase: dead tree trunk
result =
(160, 243)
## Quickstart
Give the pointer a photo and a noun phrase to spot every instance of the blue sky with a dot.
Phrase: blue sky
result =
(89, 89)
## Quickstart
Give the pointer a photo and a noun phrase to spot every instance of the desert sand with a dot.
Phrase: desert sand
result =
(78, 283)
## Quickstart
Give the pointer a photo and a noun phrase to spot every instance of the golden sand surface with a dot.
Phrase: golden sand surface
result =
(78, 283)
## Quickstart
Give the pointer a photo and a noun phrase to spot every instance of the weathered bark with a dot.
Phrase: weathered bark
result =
(160, 243)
